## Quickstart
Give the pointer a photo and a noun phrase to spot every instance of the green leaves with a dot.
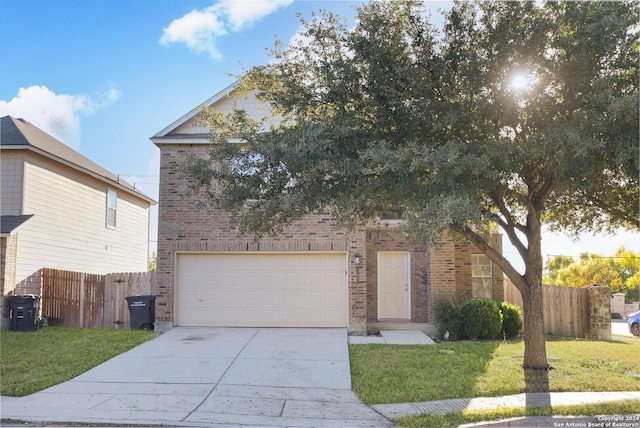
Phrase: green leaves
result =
(391, 113)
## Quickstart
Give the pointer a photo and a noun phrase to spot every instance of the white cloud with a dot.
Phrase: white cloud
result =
(56, 114)
(243, 13)
(200, 30)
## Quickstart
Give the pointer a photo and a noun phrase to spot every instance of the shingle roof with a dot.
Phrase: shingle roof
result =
(9, 223)
(20, 134)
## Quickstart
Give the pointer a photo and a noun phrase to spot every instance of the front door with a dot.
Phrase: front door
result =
(394, 288)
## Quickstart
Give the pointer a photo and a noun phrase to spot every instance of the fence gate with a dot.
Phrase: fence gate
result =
(93, 301)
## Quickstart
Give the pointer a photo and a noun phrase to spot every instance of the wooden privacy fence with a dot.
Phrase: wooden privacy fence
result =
(572, 312)
(93, 301)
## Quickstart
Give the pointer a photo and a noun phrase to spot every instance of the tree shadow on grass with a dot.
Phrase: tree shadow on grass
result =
(537, 388)
(400, 374)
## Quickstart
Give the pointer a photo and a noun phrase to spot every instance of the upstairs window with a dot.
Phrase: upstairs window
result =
(482, 276)
(112, 206)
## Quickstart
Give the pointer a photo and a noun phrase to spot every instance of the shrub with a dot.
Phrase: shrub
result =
(511, 320)
(616, 316)
(448, 317)
(480, 319)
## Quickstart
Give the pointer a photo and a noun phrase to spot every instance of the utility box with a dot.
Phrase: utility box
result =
(23, 312)
(142, 312)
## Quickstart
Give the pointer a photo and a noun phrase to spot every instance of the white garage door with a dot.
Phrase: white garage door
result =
(261, 290)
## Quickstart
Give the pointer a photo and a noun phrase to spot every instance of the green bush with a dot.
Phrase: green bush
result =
(616, 316)
(511, 320)
(448, 317)
(480, 319)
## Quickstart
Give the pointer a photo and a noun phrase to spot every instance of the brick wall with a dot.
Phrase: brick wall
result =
(437, 272)
(442, 274)
(450, 271)
(389, 239)
(182, 226)
(463, 252)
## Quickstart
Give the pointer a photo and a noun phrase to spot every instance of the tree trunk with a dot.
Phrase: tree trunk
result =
(535, 349)
(529, 285)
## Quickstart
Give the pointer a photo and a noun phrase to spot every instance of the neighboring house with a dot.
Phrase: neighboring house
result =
(311, 275)
(60, 210)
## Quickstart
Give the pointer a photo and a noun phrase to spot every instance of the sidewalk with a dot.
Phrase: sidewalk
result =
(531, 400)
(443, 407)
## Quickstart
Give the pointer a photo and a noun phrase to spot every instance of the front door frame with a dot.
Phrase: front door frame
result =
(407, 255)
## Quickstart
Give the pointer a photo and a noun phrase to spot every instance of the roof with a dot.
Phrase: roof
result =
(191, 114)
(10, 223)
(16, 134)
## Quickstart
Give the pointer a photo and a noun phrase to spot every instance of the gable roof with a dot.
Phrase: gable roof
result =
(18, 134)
(194, 112)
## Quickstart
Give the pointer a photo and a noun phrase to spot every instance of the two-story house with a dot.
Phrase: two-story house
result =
(311, 275)
(61, 210)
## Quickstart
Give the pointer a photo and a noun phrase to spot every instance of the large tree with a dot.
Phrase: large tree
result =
(515, 115)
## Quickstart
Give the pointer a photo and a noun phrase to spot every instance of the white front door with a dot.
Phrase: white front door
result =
(394, 287)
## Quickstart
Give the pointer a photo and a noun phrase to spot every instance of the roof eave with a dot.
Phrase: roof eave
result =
(16, 228)
(86, 171)
(193, 112)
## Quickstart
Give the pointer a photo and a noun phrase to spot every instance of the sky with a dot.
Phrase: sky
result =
(104, 76)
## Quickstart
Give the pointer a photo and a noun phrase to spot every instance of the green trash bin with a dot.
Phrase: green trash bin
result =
(23, 312)
(142, 312)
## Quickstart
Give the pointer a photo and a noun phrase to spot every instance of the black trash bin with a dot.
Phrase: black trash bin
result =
(142, 312)
(23, 312)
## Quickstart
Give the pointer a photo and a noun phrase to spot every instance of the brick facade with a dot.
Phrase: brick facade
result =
(436, 271)
(463, 253)
(388, 239)
(184, 227)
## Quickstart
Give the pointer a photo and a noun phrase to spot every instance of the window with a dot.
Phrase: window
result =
(481, 274)
(112, 205)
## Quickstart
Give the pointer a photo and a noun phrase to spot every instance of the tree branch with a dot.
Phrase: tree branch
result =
(493, 254)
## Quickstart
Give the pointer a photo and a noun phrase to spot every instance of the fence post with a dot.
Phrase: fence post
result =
(600, 312)
(82, 278)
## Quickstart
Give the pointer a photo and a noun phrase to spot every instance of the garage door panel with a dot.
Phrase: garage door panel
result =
(333, 299)
(292, 297)
(270, 290)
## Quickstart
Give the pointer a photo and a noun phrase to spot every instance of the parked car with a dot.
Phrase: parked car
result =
(634, 323)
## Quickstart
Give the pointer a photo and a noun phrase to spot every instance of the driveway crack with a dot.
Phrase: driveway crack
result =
(222, 377)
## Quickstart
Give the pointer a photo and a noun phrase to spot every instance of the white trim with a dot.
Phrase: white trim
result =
(14, 231)
(186, 140)
(490, 276)
(108, 208)
(193, 112)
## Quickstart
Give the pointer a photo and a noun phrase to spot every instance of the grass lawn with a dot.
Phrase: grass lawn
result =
(397, 374)
(33, 361)
(623, 408)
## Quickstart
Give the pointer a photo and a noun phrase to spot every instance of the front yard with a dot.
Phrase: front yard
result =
(33, 361)
(398, 374)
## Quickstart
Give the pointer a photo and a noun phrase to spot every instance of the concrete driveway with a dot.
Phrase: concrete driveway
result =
(620, 328)
(212, 377)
